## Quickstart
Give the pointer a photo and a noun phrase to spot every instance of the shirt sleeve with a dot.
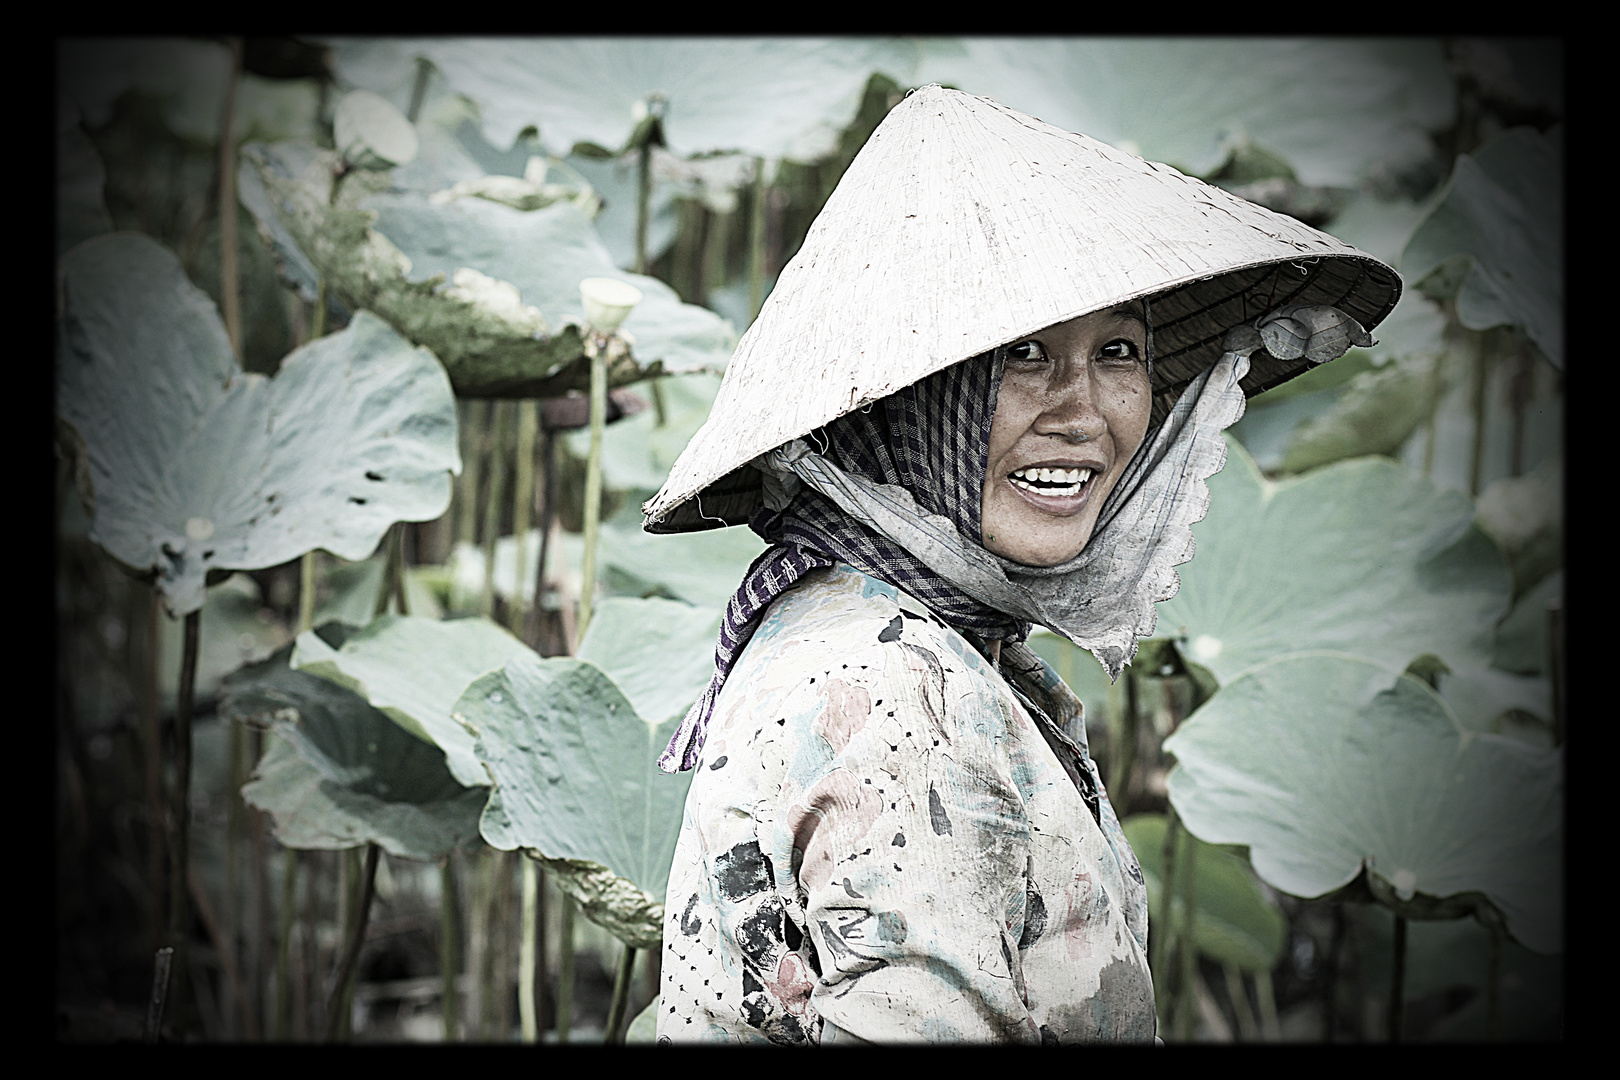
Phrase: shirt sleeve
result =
(913, 849)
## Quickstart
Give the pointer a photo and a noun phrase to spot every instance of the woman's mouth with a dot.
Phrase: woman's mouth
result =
(1051, 483)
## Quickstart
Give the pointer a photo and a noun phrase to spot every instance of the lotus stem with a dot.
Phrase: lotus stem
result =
(548, 511)
(285, 915)
(152, 732)
(227, 957)
(306, 591)
(526, 955)
(1555, 664)
(230, 293)
(386, 584)
(1330, 976)
(593, 482)
(756, 242)
(643, 201)
(160, 993)
(1270, 1028)
(1481, 379)
(1493, 985)
(341, 1001)
(180, 863)
(418, 89)
(1248, 1030)
(447, 945)
(1163, 943)
(472, 418)
(523, 508)
(1397, 982)
(401, 567)
(621, 998)
(492, 503)
(1188, 937)
(565, 973)
(1122, 738)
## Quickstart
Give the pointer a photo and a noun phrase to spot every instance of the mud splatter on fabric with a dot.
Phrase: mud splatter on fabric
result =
(903, 844)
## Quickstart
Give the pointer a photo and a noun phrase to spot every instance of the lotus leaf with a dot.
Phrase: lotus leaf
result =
(644, 1028)
(659, 653)
(576, 780)
(1327, 769)
(1235, 922)
(197, 466)
(546, 253)
(1334, 109)
(1358, 556)
(1504, 213)
(337, 773)
(485, 348)
(775, 98)
(414, 669)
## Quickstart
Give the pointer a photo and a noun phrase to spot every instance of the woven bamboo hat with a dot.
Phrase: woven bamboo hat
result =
(963, 225)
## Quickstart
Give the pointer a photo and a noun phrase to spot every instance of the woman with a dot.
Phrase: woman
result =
(985, 394)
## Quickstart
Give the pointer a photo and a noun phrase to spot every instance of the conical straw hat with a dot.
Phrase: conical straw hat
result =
(963, 225)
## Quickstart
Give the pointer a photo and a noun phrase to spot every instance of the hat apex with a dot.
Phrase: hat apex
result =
(963, 225)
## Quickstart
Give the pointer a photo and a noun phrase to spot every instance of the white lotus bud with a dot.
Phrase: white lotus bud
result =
(372, 134)
(607, 301)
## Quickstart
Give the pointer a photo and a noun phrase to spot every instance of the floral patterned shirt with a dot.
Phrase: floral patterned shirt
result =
(886, 840)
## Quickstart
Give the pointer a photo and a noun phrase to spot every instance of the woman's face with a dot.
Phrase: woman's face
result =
(1072, 409)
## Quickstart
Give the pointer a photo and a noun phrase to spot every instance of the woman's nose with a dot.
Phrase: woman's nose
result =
(1071, 411)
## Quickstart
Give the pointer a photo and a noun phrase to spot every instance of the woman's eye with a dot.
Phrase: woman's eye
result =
(1026, 350)
(1119, 349)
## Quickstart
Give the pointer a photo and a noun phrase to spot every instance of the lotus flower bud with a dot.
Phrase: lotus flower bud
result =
(607, 302)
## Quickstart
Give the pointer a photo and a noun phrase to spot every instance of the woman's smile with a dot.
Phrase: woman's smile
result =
(1072, 408)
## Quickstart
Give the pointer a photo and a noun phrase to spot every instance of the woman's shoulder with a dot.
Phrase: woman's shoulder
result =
(836, 609)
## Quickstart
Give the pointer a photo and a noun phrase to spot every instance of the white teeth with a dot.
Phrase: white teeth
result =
(1053, 476)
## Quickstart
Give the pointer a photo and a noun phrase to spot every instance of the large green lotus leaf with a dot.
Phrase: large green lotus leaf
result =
(1504, 212)
(576, 780)
(1334, 109)
(644, 1028)
(338, 773)
(546, 253)
(1235, 923)
(414, 669)
(1375, 413)
(196, 465)
(488, 340)
(659, 653)
(1323, 768)
(703, 568)
(1358, 556)
(773, 97)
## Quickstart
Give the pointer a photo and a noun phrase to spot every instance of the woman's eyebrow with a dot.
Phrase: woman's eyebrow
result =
(1126, 311)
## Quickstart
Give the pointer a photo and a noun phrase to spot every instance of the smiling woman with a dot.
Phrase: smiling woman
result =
(986, 394)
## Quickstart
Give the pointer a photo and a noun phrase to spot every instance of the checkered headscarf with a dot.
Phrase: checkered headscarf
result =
(931, 439)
